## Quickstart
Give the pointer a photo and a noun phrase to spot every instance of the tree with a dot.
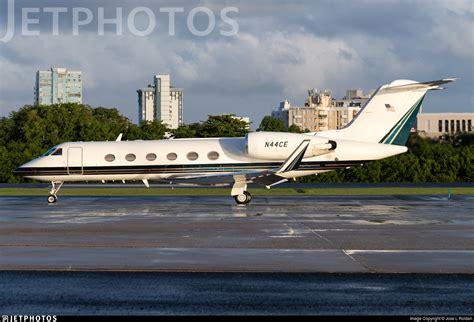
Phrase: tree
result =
(223, 126)
(296, 129)
(152, 130)
(226, 125)
(271, 124)
(186, 131)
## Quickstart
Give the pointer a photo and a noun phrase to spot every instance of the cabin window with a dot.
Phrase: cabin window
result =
(172, 156)
(130, 157)
(151, 157)
(109, 157)
(192, 156)
(58, 152)
(213, 155)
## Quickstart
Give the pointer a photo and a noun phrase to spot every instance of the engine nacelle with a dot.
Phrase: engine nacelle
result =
(280, 145)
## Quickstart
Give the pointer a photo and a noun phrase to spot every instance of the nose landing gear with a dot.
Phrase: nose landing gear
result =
(55, 186)
(52, 199)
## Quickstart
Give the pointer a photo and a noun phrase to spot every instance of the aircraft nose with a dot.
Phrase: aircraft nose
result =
(20, 171)
(25, 169)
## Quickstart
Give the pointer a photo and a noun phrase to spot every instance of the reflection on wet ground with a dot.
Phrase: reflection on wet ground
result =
(303, 234)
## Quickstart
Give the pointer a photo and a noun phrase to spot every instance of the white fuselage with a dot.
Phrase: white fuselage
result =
(187, 158)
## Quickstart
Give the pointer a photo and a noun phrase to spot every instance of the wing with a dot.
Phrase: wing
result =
(210, 179)
(267, 178)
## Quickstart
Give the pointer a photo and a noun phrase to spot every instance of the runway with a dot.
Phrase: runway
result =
(325, 234)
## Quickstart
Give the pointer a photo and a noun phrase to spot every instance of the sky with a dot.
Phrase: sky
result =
(273, 50)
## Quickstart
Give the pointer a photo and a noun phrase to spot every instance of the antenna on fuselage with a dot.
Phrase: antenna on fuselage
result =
(119, 138)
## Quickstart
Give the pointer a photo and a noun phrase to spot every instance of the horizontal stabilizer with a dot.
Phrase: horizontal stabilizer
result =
(432, 85)
(440, 82)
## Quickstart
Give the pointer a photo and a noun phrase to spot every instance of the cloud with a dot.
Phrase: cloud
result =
(453, 32)
(281, 50)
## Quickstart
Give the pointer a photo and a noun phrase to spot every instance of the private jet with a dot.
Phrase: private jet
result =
(380, 130)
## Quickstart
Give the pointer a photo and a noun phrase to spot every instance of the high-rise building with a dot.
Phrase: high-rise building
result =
(161, 102)
(146, 104)
(58, 85)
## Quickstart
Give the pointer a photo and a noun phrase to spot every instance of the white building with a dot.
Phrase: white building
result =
(146, 98)
(168, 102)
(435, 125)
(177, 106)
(161, 102)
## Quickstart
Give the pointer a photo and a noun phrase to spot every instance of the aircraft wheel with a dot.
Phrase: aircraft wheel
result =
(249, 196)
(243, 198)
(52, 199)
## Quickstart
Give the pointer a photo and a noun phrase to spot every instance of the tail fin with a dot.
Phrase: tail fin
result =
(390, 113)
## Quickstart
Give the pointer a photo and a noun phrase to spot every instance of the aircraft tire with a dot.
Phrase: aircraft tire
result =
(249, 196)
(52, 199)
(243, 198)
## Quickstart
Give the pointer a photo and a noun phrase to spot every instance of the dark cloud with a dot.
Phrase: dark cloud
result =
(283, 48)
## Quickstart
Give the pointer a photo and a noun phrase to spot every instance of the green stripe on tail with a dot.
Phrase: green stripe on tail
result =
(399, 134)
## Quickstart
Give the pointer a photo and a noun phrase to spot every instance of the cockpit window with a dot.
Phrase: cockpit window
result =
(58, 152)
(49, 152)
(53, 151)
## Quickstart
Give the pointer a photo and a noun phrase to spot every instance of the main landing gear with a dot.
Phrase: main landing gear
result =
(55, 186)
(243, 198)
(239, 191)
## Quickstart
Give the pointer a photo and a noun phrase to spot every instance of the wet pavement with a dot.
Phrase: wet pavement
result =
(139, 293)
(346, 234)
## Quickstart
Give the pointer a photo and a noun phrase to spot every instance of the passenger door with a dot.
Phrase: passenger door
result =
(74, 161)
